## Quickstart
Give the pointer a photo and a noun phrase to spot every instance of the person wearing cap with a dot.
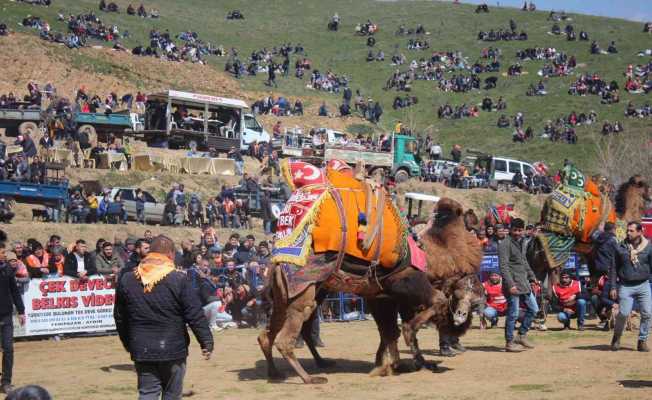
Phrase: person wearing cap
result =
(496, 303)
(568, 292)
(518, 279)
(9, 297)
(633, 265)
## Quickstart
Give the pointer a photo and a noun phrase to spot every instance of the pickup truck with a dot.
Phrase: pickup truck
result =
(399, 163)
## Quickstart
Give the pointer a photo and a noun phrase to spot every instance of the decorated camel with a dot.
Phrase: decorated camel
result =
(574, 212)
(453, 258)
(338, 233)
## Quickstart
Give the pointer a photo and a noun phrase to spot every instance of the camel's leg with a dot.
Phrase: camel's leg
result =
(266, 341)
(299, 310)
(274, 325)
(306, 333)
(410, 330)
(385, 312)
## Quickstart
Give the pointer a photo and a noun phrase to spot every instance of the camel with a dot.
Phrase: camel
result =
(630, 204)
(453, 257)
(403, 287)
(292, 316)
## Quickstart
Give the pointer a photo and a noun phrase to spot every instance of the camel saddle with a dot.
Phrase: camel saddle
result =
(337, 220)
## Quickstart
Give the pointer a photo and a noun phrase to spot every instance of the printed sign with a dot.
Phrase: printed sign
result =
(67, 305)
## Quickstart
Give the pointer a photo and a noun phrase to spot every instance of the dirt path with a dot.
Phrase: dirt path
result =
(564, 365)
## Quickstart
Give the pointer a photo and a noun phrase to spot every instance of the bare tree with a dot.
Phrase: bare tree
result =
(621, 155)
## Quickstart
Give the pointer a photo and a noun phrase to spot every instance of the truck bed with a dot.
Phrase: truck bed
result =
(35, 193)
(114, 119)
(352, 155)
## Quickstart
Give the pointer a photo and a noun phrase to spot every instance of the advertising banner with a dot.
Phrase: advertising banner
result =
(67, 305)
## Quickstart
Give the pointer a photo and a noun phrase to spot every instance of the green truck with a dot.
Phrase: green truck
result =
(399, 163)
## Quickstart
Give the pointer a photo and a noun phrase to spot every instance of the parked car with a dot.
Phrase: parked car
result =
(154, 213)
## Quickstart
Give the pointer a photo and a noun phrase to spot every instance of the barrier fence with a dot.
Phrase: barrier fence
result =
(66, 305)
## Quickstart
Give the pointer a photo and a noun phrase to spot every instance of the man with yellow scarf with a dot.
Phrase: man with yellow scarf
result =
(153, 305)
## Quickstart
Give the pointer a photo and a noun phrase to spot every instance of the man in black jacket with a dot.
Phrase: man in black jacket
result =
(153, 306)
(9, 296)
(517, 280)
(79, 263)
(605, 246)
(632, 267)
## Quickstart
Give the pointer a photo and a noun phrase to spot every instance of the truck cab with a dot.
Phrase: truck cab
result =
(405, 162)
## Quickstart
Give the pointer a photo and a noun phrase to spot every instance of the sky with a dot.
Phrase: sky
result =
(636, 10)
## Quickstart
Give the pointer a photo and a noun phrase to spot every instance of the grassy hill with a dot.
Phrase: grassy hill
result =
(452, 27)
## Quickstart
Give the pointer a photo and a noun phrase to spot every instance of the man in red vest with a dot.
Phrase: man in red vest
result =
(568, 293)
(496, 301)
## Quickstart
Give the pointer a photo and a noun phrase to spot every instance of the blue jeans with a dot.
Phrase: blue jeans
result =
(491, 314)
(565, 317)
(513, 302)
(626, 297)
(239, 167)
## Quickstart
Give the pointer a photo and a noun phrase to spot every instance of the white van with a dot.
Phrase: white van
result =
(503, 169)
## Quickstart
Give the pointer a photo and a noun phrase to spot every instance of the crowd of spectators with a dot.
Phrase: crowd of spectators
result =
(563, 128)
(142, 12)
(328, 82)
(458, 112)
(489, 105)
(404, 102)
(279, 106)
(594, 84)
(227, 276)
(609, 128)
(501, 34)
(537, 53)
(633, 112)
(460, 83)
(418, 44)
(31, 100)
(193, 49)
(366, 29)
(596, 49)
(639, 78)
(403, 31)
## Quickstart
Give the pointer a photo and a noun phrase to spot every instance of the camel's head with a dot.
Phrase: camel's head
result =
(447, 211)
(633, 197)
(466, 294)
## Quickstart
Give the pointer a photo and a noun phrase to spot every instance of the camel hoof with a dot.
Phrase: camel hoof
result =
(380, 371)
(317, 380)
(326, 363)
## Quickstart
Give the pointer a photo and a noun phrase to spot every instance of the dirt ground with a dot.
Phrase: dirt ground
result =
(565, 364)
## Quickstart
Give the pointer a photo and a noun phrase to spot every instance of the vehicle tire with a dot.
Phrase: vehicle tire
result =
(90, 131)
(28, 128)
(401, 176)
